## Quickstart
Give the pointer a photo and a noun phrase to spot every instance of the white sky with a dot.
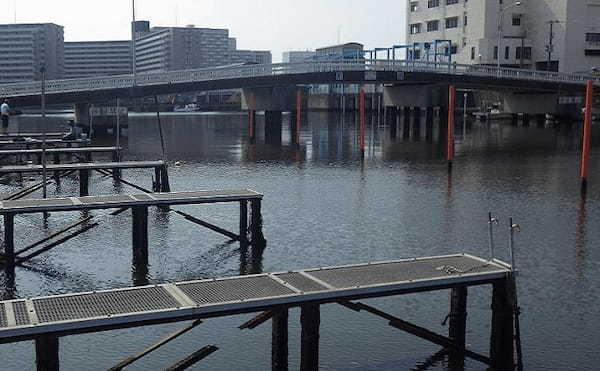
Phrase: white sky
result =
(276, 25)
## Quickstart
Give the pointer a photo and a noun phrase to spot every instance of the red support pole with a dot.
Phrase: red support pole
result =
(298, 115)
(451, 113)
(251, 118)
(587, 131)
(363, 119)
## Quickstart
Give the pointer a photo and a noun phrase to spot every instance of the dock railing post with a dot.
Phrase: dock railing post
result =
(47, 353)
(310, 319)
(458, 324)
(491, 222)
(279, 343)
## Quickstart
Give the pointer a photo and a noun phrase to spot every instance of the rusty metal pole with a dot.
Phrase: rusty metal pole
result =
(451, 111)
(587, 133)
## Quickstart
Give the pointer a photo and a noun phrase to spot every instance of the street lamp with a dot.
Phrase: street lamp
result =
(500, 24)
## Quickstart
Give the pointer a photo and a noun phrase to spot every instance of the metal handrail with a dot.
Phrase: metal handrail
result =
(278, 69)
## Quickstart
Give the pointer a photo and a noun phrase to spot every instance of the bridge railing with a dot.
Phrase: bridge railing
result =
(257, 71)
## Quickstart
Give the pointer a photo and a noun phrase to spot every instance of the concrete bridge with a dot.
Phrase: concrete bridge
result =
(273, 87)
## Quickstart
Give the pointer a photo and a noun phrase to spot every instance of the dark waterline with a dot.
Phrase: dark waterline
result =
(324, 206)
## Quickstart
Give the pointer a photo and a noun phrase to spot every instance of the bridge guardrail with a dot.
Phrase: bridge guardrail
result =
(250, 71)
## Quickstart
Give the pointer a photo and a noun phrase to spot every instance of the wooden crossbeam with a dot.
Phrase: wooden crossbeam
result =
(208, 225)
(153, 347)
(418, 331)
(256, 321)
(193, 358)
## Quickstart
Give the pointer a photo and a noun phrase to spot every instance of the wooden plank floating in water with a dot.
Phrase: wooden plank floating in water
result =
(63, 315)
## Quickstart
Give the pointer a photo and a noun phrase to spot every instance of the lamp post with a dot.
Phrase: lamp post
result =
(133, 29)
(500, 24)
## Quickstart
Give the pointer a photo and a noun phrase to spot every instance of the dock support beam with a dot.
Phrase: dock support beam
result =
(84, 182)
(47, 353)
(244, 222)
(258, 239)
(310, 319)
(458, 325)
(9, 242)
(140, 233)
(502, 339)
(279, 345)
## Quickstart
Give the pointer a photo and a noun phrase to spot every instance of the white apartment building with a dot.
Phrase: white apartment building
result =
(474, 27)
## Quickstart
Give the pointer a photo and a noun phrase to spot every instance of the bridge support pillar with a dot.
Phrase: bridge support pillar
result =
(393, 121)
(279, 343)
(429, 124)
(458, 325)
(82, 114)
(47, 353)
(416, 124)
(443, 124)
(540, 120)
(515, 119)
(273, 127)
(84, 182)
(310, 319)
(406, 123)
(252, 124)
(502, 337)
(526, 118)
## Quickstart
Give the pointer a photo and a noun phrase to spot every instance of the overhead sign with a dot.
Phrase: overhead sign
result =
(108, 111)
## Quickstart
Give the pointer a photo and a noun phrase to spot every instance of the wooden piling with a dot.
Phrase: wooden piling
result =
(279, 344)
(9, 242)
(258, 239)
(363, 118)
(587, 132)
(310, 320)
(244, 221)
(140, 231)
(84, 182)
(458, 325)
(116, 157)
(502, 337)
(451, 113)
(47, 353)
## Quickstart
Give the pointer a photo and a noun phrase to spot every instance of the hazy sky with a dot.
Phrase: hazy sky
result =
(276, 25)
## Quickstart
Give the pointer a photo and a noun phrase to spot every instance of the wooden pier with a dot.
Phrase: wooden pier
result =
(161, 183)
(85, 153)
(37, 143)
(139, 204)
(46, 319)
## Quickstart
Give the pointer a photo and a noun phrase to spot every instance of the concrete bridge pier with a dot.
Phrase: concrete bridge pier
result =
(82, 114)
(443, 124)
(416, 124)
(273, 127)
(393, 121)
(540, 120)
(406, 123)
(429, 124)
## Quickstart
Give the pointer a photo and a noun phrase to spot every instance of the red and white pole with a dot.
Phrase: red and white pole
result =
(451, 114)
(363, 119)
(587, 132)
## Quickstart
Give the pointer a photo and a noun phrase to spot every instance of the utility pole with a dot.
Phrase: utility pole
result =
(550, 46)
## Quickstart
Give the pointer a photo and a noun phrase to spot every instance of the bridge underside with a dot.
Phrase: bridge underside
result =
(292, 79)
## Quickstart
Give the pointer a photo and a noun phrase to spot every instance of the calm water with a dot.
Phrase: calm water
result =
(324, 206)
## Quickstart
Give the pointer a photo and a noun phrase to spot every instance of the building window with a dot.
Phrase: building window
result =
(472, 52)
(454, 49)
(465, 20)
(414, 6)
(592, 37)
(450, 2)
(452, 22)
(433, 3)
(516, 20)
(415, 28)
(526, 53)
(433, 26)
(495, 52)
(507, 52)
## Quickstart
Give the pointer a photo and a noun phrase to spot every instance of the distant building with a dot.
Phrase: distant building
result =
(346, 51)
(97, 58)
(251, 56)
(472, 32)
(298, 56)
(25, 48)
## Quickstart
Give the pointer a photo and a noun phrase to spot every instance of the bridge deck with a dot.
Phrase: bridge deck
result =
(93, 311)
(8, 152)
(122, 201)
(82, 166)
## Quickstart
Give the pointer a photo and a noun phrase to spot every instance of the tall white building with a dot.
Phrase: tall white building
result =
(470, 31)
(97, 58)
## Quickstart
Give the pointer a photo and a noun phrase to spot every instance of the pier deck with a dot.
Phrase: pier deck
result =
(82, 166)
(61, 315)
(75, 150)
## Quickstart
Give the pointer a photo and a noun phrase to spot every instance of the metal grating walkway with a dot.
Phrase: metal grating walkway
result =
(93, 311)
